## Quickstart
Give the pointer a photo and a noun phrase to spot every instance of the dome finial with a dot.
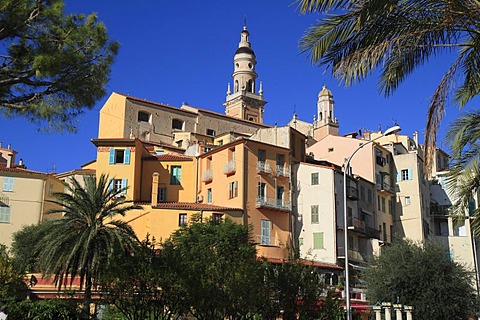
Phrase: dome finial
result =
(245, 22)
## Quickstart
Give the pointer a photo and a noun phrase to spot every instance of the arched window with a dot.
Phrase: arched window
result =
(236, 85)
(249, 86)
(144, 116)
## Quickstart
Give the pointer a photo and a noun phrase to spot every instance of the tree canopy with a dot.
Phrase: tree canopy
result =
(357, 37)
(423, 277)
(84, 241)
(52, 65)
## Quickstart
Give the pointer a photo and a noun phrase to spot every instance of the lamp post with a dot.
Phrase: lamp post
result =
(346, 168)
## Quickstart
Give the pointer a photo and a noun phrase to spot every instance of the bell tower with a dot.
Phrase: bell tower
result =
(326, 123)
(245, 102)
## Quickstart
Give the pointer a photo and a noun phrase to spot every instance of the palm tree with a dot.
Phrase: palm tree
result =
(82, 242)
(397, 37)
(464, 178)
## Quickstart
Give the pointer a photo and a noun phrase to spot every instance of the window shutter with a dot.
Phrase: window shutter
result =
(8, 183)
(112, 156)
(179, 174)
(124, 186)
(236, 188)
(110, 184)
(126, 159)
(318, 240)
(399, 175)
(410, 175)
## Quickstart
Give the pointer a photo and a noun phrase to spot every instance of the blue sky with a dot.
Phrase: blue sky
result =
(182, 51)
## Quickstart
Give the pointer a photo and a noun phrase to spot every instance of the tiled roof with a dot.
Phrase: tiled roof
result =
(191, 206)
(173, 157)
(3, 168)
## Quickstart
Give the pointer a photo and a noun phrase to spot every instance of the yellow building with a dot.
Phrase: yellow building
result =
(24, 195)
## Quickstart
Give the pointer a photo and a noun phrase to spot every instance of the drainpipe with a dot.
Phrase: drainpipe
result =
(245, 181)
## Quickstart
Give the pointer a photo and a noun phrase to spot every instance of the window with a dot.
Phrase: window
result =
(4, 214)
(182, 219)
(318, 240)
(265, 232)
(217, 217)
(143, 116)
(369, 196)
(362, 193)
(261, 155)
(405, 174)
(262, 190)
(177, 124)
(384, 231)
(314, 178)
(231, 154)
(280, 164)
(220, 142)
(8, 183)
(378, 203)
(408, 201)
(314, 214)
(162, 194)
(391, 205)
(280, 193)
(176, 175)
(211, 132)
(384, 209)
(118, 184)
(119, 156)
(233, 189)
(209, 195)
(459, 229)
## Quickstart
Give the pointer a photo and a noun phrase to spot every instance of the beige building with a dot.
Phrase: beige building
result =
(24, 195)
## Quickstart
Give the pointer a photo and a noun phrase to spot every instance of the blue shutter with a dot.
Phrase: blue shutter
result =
(410, 175)
(110, 184)
(126, 159)
(179, 175)
(124, 186)
(399, 175)
(112, 156)
(265, 229)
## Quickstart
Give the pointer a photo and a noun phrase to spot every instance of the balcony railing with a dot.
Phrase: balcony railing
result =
(384, 186)
(356, 224)
(272, 203)
(4, 199)
(352, 254)
(262, 166)
(372, 232)
(266, 240)
(229, 167)
(207, 175)
(280, 171)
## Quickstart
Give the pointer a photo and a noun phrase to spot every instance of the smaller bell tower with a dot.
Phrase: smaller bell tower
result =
(245, 102)
(326, 123)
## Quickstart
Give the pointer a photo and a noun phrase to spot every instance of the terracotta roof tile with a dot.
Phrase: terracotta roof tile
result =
(192, 206)
(173, 157)
(3, 168)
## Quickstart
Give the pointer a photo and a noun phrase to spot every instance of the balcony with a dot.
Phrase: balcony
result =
(352, 254)
(384, 186)
(230, 167)
(266, 240)
(262, 166)
(436, 209)
(207, 175)
(280, 171)
(4, 199)
(352, 192)
(356, 224)
(372, 232)
(272, 203)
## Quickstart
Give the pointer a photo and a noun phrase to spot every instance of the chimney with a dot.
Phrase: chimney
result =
(415, 137)
(155, 189)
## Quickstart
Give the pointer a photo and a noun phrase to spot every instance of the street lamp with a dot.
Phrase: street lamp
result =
(346, 168)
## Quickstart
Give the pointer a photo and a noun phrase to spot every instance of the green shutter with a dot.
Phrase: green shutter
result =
(318, 240)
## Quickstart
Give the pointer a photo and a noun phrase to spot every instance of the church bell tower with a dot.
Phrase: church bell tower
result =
(245, 102)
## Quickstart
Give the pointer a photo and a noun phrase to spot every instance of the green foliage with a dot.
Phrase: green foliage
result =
(12, 287)
(85, 240)
(56, 64)
(43, 310)
(215, 264)
(423, 277)
(356, 38)
(24, 258)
